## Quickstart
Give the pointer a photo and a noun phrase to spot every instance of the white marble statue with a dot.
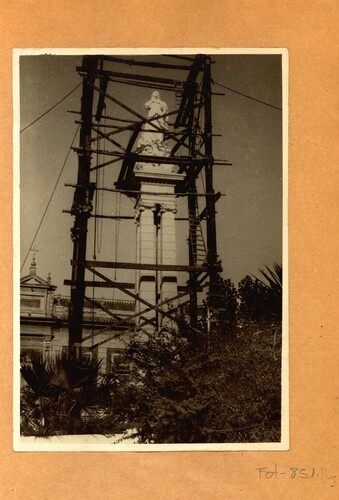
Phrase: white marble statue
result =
(155, 108)
(151, 141)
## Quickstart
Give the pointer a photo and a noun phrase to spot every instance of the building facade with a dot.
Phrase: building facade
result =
(44, 324)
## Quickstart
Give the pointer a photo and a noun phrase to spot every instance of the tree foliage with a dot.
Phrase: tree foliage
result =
(261, 299)
(229, 312)
(66, 395)
(195, 388)
(229, 392)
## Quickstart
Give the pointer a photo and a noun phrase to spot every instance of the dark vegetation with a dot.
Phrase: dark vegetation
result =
(184, 386)
(67, 395)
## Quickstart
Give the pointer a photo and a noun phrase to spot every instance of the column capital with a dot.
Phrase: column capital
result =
(169, 208)
(137, 215)
(145, 203)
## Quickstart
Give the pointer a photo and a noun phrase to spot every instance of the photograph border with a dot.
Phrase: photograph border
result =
(96, 443)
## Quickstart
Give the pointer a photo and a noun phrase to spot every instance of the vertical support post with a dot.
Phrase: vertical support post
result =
(192, 234)
(157, 222)
(212, 255)
(81, 207)
(192, 243)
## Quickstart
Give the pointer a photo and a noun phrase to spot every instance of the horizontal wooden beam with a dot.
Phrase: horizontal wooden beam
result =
(148, 267)
(134, 157)
(101, 216)
(102, 284)
(129, 286)
(133, 62)
(133, 76)
(123, 217)
(107, 117)
(136, 192)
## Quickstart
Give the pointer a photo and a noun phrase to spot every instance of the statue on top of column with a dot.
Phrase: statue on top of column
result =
(151, 141)
(157, 107)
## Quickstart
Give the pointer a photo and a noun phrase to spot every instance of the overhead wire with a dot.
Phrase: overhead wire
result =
(96, 206)
(101, 204)
(116, 235)
(50, 198)
(102, 194)
(214, 82)
(94, 243)
(50, 109)
(97, 224)
(246, 95)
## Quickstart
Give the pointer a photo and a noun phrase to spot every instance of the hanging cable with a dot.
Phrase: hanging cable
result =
(97, 173)
(50, 198)
(102, 210)
(101, 181)
(247, 96)
(98, 223)
(97, 236)
(50, 109)
(96, 206)
(116, 235)
(118, 226)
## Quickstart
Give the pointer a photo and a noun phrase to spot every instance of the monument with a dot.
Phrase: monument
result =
(155, 216)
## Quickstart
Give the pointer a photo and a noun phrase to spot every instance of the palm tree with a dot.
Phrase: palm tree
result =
(60, 392)
(274, 287)
(274, 278)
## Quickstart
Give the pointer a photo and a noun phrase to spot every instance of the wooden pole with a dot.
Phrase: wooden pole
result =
(81, 207)
(212, 256)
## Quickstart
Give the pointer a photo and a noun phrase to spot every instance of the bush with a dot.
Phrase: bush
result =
(66, 395)
(184, 393)
(259, 299)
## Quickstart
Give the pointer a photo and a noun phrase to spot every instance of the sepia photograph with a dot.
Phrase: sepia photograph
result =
(150, 261)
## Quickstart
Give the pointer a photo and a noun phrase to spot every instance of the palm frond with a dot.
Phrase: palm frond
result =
(273, 277)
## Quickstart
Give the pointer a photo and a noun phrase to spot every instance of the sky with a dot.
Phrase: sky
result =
(249, 216)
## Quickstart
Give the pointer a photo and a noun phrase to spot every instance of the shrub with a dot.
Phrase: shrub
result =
(185, 393)
(65, 395)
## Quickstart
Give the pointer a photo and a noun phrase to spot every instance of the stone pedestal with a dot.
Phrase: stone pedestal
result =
(156, 239)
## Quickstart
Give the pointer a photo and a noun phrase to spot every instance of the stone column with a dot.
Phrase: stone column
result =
(146, 254)
(156, 239)
(137, 257)
(169, 285)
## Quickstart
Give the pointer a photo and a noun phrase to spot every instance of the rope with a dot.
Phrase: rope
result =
(96, 209)
(202, 182)
(50, 109)
(116, 236)
(102, 194)
(101, 203)
(247, 96)
(50, 199)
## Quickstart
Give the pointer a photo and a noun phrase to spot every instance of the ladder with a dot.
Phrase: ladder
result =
(196, 237)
